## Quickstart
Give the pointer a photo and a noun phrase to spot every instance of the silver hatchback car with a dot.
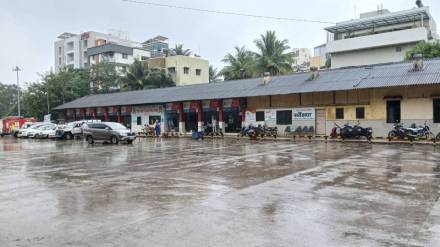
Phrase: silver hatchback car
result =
(108, 131)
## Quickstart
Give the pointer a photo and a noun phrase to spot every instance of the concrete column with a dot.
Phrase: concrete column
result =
(181, 113)
(221, 116)
(199, 116)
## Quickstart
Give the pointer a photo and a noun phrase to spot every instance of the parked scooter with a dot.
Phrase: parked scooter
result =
(270, 131)
(335, 131)
(437, 138)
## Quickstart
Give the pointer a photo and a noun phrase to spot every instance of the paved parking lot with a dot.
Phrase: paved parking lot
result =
(218, 193)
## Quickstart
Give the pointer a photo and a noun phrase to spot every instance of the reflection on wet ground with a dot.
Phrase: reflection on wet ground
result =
(218, 193)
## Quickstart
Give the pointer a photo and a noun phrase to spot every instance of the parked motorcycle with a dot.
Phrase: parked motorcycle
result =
(423, 132)
(437, 138)
(270, 131)
(252, 131)
(356, 131)
(411, 133)
(209, 130)
(398, 131)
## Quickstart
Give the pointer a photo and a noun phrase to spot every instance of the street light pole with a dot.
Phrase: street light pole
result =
(17, 69)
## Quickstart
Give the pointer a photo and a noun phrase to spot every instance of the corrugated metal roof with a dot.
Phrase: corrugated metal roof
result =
(377, 76)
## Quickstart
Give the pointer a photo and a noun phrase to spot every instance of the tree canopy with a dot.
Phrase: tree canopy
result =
(427, 49)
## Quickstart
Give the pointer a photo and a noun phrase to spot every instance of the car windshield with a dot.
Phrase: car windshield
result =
(116, 126)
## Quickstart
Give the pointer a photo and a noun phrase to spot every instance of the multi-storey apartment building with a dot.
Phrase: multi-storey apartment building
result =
(71, 49)
(379, 37)
(119, 55)
(302, 59)
(157, 46)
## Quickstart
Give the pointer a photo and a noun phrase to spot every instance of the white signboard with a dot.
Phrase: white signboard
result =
(303, 114)
(250, 117)
(270, 117)
(47, 118)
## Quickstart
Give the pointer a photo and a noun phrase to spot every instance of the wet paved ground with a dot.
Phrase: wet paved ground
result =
(218, 193)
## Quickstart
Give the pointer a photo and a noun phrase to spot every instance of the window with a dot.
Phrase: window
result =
(172, 70)
(284, 117)
(436, 110)
(339, 113)
(139, 120)
(59, 61)
(153, 119)
(198, 72)
(59, 49)
(260, 116)
(393, 111)
(186, 70)
(124, 56)
(399, 49)
(143, 58)
(360, 112)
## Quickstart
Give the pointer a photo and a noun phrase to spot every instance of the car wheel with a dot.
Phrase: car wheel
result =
(68, 136)
(130, 142)
(90, 139)
(36, 136)
(114, 140)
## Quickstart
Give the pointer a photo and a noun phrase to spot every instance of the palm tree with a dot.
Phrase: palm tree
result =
(240, 65)
(179, 50)
(139, 77)
(272, 55)
(214, 75)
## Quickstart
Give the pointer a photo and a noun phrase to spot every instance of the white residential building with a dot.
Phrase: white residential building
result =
(302, 59)
(71, 49)
(379, 37)
(119, 55)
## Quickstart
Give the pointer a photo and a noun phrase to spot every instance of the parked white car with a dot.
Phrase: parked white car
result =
(47, 131)
(23, 132)
(74, 129)
(35, 130)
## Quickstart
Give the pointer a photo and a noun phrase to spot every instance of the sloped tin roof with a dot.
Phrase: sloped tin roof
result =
(375, 76)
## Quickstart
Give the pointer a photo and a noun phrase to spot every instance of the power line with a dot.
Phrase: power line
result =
(228, 12)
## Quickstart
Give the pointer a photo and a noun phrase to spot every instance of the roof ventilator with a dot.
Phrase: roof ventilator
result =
(267, 78)
(314, 73)
(417, 62)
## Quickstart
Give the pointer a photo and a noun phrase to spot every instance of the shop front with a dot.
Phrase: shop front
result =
(147, 115)
(233, 115)
(113, 113)
(191, 110)
(172, 112)
(211, 112)
(125, 116)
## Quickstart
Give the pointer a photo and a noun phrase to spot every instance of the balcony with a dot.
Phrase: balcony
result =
(379, 40)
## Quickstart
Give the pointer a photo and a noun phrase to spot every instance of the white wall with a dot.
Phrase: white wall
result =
(370, 56)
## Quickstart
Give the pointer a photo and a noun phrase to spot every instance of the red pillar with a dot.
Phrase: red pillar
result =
(119, 115)
(106, 114)
(181, 112)
(74, 114)
(94, 113)
(83, 113)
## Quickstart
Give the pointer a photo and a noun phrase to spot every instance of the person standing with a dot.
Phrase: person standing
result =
(157, 128)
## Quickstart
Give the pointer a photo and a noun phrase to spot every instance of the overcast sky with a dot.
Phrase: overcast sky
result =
(29, 28)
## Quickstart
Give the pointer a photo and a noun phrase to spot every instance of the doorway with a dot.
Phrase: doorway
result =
(393, 111)
(320, 122)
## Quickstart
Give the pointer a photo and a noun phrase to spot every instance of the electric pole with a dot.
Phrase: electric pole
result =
(17, 69)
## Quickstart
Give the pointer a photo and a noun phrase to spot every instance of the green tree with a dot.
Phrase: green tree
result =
(179, 50)
(239, 65)
(427, 49)
(139, 77)
(273, 55)
(214, 75)
(8, 100)
(104, 78)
